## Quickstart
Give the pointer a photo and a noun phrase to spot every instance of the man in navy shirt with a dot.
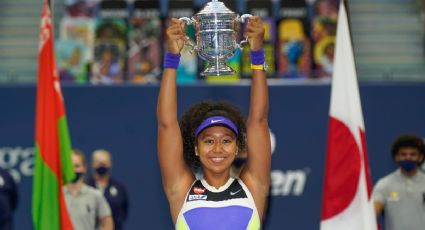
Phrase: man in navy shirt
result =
(8, 200)
(114, 192)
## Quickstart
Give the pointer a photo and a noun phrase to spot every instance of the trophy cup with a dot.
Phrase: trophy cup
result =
(217, 29)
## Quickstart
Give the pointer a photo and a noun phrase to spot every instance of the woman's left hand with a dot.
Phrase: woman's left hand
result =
(255, 32)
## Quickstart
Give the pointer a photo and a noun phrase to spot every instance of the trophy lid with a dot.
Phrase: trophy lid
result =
(215, 7)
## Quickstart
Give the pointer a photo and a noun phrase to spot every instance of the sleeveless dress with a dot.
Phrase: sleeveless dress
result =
(230, 207)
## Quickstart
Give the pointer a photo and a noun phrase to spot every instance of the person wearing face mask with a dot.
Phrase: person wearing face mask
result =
(114, 192)
(87, 207)
(400, 196)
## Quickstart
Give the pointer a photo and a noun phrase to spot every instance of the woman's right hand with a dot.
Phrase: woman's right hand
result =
(176, 37)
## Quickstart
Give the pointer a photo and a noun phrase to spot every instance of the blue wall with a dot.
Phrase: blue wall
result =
(122, 120)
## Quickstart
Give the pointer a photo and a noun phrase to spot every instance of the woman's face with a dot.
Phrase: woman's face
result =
(216, 149)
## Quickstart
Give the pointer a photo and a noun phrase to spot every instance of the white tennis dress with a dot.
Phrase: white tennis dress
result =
(230, 207)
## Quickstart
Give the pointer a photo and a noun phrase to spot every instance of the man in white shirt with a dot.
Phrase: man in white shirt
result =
(400, 196)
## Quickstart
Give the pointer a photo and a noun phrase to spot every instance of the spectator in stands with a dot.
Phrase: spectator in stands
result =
(400, 196)
(114, 192)
(8, 199)
(107, 70)
(87, 207)
(210, 136)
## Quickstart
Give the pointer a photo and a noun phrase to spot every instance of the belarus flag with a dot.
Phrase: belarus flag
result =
(347, 202)
(53, 166)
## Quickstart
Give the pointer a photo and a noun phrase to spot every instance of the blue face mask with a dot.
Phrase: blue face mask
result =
(408, 165)
(102, 170)
(78, 175)
(238, 162)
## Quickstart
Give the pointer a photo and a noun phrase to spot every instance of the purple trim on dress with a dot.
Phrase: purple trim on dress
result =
(221, 218)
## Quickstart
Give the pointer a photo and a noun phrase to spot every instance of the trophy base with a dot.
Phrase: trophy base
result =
(218, 70)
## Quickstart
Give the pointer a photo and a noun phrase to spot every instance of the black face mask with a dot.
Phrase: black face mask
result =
(408, 165)
(78, 175)
(238, 162)
(102, 170)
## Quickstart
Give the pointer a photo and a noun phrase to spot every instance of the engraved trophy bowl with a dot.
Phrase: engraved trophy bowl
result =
(217, 30)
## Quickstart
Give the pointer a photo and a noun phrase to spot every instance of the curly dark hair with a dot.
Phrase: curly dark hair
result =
(194, 116)
(408, 140)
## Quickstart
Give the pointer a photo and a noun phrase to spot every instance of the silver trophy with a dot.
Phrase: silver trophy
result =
(217, 29)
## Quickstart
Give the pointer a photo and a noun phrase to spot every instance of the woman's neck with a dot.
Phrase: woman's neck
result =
(216, 180)
(101, 180)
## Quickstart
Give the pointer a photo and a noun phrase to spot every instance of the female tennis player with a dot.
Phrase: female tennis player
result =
(208, 137)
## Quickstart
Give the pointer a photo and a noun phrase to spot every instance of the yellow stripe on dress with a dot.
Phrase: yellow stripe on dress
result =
(181, 224)
(254, 223)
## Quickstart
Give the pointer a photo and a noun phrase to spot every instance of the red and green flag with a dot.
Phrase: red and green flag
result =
(53, 165)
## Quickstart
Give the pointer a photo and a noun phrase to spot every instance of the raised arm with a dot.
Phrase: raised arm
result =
(176, 175)
(256, 173)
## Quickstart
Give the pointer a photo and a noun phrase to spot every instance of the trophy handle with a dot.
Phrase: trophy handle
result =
(245, 16)
(186, 19)
(242, 19)
(189, 42)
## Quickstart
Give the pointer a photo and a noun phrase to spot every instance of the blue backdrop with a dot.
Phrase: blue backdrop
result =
(122, 119)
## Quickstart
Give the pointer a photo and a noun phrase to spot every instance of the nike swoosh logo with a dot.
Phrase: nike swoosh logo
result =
(233, 193)
(215, 121)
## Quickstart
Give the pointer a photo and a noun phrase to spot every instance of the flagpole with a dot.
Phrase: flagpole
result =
(350, 33)
(51, 5)
(347, 13)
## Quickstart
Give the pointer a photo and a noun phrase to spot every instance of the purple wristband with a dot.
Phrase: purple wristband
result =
(171, 60)
(257, 57)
